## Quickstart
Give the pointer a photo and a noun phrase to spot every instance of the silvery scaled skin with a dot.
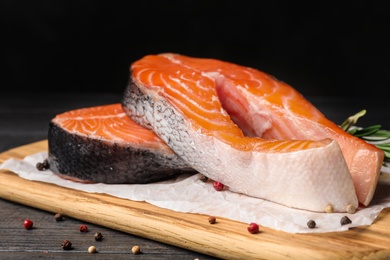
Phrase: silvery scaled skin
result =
(308, 179)
(92, 158)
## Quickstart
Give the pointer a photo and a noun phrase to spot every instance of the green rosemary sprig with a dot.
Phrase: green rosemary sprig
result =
(372, 134)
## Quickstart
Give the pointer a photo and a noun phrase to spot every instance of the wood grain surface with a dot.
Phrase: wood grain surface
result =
(226, 239)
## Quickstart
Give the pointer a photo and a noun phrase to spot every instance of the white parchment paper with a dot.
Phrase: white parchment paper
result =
(188, 194)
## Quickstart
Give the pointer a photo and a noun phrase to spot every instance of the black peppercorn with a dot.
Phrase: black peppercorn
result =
(66, 245)
(98, 236)
(345, 220)
(311, 223)
(41, 166)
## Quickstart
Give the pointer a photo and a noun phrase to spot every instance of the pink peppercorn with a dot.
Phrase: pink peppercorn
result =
(218, 186)
(253, 228)
(83, 228)
(28, 224)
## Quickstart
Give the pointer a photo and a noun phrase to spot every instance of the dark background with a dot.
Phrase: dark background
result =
(327, 48)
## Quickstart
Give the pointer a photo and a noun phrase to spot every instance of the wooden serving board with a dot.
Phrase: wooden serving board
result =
(225, 239)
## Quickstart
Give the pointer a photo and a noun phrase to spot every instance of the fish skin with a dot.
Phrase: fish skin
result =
(101, 144)
(275, 110)
(302, 174)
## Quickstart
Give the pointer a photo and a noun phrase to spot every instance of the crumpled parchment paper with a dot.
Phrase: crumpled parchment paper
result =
(189, 194)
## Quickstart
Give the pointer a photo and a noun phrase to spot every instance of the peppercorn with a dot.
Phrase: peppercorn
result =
(98, 236)
(253, 228)
(345, 220)
(136, 250)
(311, 223)
(92, 249)
(58, 217)
(203, 178)
(218, 186)
(329, 208)
(28, 224)
(41, 166)
(83, 228)
(212, 220)
(66, 245)
(350, 209)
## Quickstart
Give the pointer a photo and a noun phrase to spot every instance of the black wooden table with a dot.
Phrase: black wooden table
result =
(24, 119)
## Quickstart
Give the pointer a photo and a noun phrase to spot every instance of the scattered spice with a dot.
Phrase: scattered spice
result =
(98, 236)
(345, 220)
(311, 223)
(218, 186)
(66, 245)
(92, 249)
(203, 178)
(350, 209)
(58, 217)
(329, 208)
(253, 228)
(28, 224)
(83, 228)
(212, 220)
(41, 166)
(136, 250)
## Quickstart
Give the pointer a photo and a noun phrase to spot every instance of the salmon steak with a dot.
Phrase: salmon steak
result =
(102, 144)
(273, 110)
(208, 112)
